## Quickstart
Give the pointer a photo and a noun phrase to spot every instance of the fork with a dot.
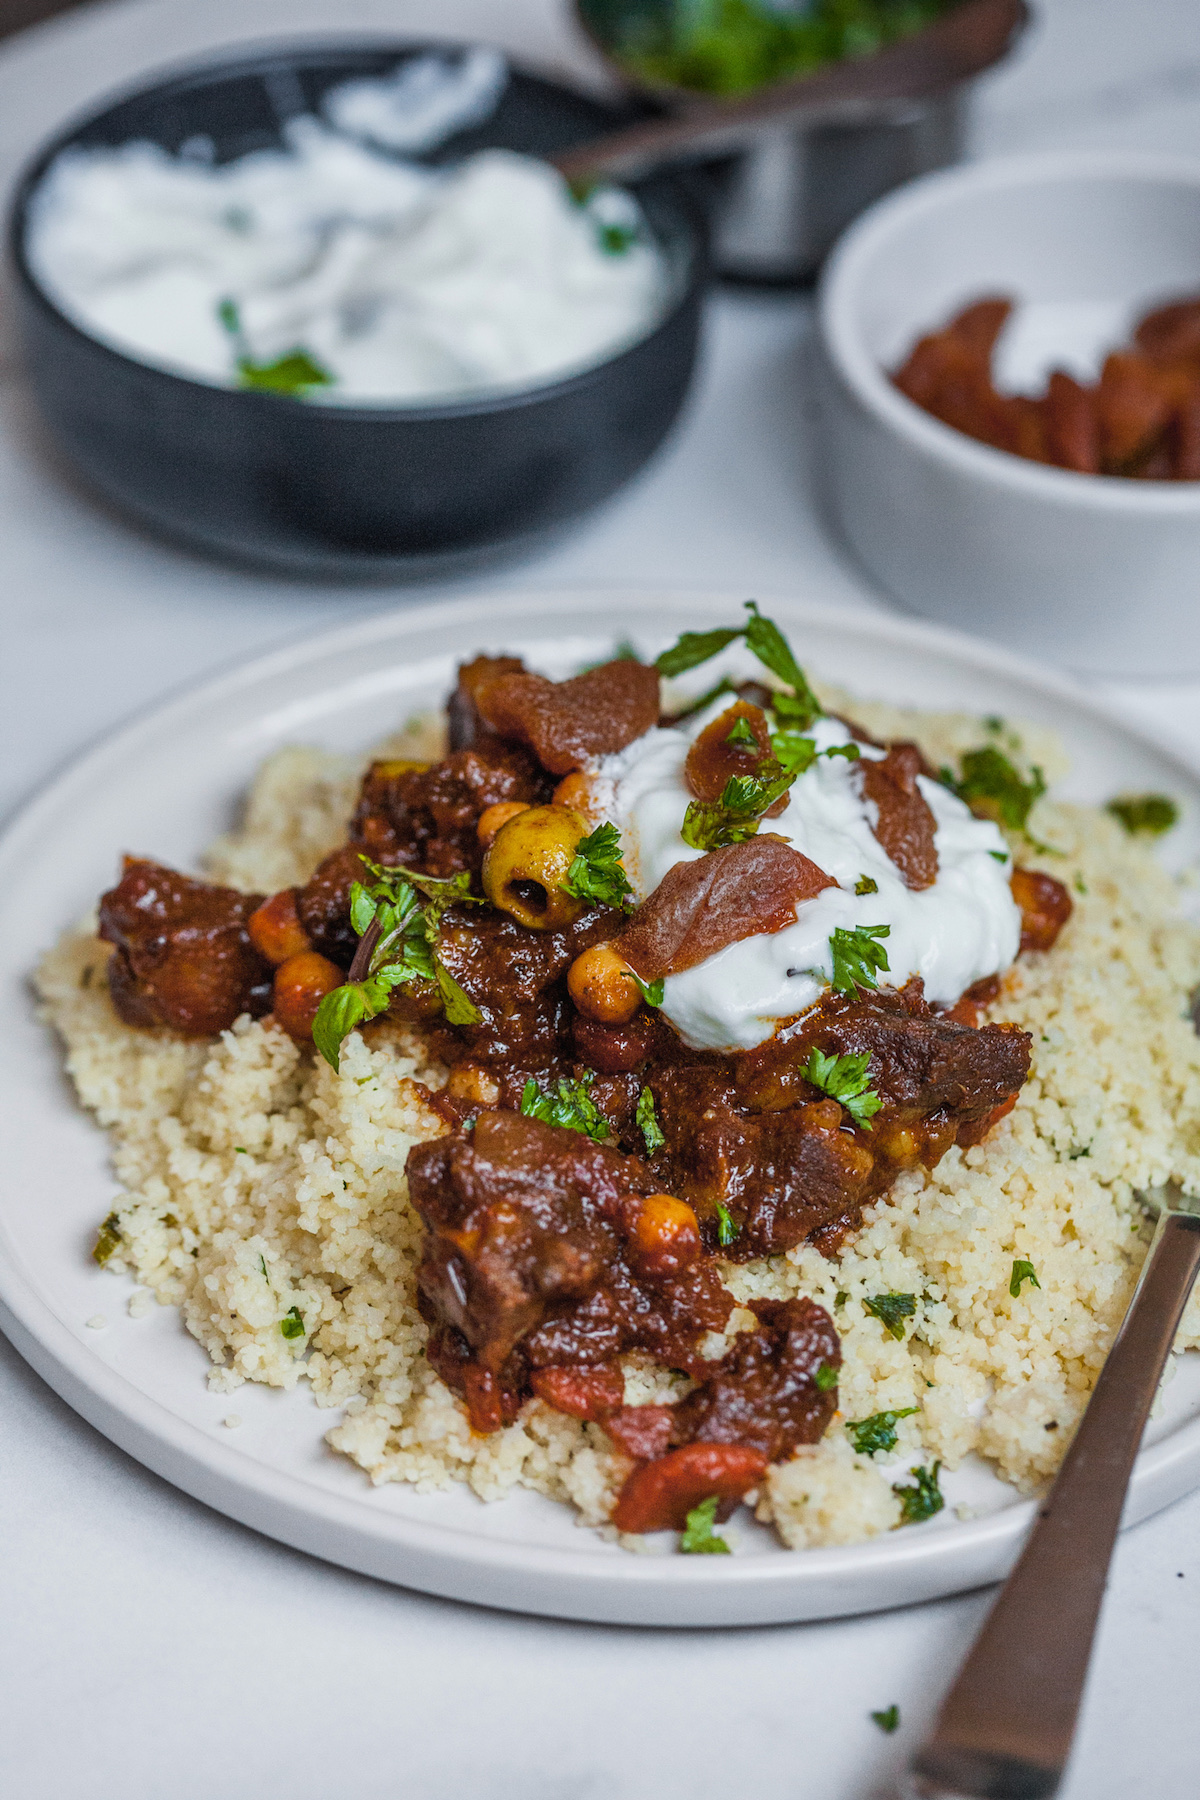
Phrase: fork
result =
(1005, 1728)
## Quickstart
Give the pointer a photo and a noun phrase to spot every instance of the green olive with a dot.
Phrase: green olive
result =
(524, 871)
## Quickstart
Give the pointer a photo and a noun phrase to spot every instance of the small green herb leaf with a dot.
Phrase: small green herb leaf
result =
(337, 1016)
(108, 1240)
(845, 1079)
(888, 1719)
(922, 1500)
(891, 1310)
(293, 373)
(866, 884)
(648, 1124)
(595, 874)
(826, 1378)
(727, 1226)
(699, 1538)
(1148, 814)
(292, 1324)
(1022, 1271)
(741, 737)
(460, 1008)
(857, 957)
(572, 1107)
(651, 991)
(615, 240)
(694, 648)
(876, 1435)
(995, 789)
(772, 649)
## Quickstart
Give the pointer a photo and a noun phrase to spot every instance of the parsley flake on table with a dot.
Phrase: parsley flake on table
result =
(845, 1079)
(889, 1719)
(572, 1106)
(920, 1501)
(1146, 815)
(397, 920)
(647, 1120)
(699, 1538)
(727, 1226)
(891, 1310)
(596, 873)
(1022, 1271)
(876, 1435)
(857, 957)
(292, 1324)
(763, 637)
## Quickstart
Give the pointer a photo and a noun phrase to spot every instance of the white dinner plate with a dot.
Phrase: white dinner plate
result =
(165, 785)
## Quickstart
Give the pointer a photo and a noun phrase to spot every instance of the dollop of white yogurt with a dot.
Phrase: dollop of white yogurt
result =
(966, 926)
(404, 283)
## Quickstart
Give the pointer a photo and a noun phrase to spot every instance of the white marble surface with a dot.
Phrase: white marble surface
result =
(148, 1647)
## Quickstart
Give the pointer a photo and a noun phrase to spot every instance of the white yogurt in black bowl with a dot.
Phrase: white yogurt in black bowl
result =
(321, 308)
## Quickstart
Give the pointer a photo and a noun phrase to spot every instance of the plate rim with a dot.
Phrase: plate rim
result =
(449, 1559)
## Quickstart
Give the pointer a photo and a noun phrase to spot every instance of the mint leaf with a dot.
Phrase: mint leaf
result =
(337, 1015)
(694, 648)
(293, 373)
(1022, 1271)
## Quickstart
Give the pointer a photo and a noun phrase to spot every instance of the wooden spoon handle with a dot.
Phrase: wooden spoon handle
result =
(1005, 1728)
(971, 37)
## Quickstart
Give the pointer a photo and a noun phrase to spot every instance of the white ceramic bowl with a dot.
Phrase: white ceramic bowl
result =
(1099, 573)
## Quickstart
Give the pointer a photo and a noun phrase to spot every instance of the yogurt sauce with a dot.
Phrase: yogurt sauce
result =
(964, 927)
(402, 282)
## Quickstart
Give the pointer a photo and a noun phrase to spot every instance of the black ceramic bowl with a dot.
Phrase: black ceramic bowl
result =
(343, 490)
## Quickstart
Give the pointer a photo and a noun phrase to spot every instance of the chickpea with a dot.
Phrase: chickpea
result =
(467, 1081)
(275, 929)
(493, 817)
(575, 791)
(301, 983)
(602, 986)
(527, 864)
(664, 1238)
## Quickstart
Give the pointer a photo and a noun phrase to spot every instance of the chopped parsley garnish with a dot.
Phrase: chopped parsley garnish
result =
(727, 1226)
(891, 1310)
(262, 1263)
(615, 240)
(741, 737)
(108, 1240)
(596, 874)
(793, 751)
(647, 1121)
(845, 1079)
(699, 1538)
(714, 824)
(1149, 814)
(1000, 856)
(826, 1378)
(763, 637)
(887, 1720)
(993, 788)
(572, 1106)
(294, 372)
(651, 991)
(1022, 1271)
(397, 921)
(866, 884)
(877, 1435)
(922, 1500)
(857, 957)
(292, 1325)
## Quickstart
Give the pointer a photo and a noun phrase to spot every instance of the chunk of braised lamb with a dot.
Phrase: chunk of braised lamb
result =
(424, 818)
(323, 904)
(904, 824)
(568, 723)
(183, 955)
(516, 977)
(779, 1176)
(922, 1063)
(465, 726)
(526, 1260)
